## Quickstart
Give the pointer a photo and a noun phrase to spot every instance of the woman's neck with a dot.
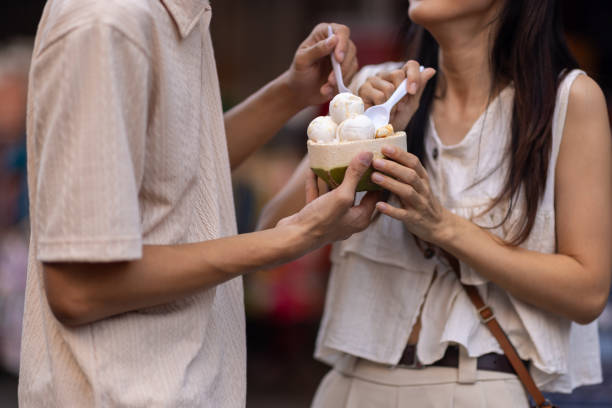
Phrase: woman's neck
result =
(464, 56)
(464, 86)
(465, 70)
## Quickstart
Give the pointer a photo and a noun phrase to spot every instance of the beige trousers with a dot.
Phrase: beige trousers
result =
(357, 383)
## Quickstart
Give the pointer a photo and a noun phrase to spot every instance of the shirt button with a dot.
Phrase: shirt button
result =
(434, 153)
(429, 253)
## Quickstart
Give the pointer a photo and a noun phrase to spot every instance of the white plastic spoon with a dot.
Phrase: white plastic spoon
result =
(336, 67)
(380, 114)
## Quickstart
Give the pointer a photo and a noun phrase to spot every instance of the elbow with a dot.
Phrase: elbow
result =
(67, 301)
(592, 306)
(68, 310)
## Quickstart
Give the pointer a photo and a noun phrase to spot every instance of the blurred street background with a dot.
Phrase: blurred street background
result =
(254, 42)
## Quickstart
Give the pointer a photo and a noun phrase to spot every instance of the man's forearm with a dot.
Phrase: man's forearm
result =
(81, 293)
(253, 122)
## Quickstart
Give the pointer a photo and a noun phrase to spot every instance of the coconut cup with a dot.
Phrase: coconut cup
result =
(330, 161)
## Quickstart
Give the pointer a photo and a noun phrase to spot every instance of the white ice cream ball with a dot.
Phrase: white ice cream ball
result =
(345, 105)
(322, 129)
(359, 127)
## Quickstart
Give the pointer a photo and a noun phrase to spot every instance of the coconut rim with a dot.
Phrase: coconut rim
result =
(327, 156)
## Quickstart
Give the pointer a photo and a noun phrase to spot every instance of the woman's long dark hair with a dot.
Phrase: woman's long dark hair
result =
(529, 50)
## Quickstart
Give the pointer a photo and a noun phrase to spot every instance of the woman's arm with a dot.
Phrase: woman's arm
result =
(290, 199)
(574, 282)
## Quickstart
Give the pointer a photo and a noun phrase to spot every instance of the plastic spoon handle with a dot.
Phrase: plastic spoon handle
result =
(336, 66)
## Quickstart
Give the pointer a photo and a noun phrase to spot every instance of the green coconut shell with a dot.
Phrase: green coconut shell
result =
(334, 178)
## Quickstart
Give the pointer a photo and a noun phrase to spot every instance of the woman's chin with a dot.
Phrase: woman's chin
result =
(422, 14)
(432, 12)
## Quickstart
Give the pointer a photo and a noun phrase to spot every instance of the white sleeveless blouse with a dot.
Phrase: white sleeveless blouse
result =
(380, 278)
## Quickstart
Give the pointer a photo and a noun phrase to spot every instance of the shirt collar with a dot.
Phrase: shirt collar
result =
(186, 13)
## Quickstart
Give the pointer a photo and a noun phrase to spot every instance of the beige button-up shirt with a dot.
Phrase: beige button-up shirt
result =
(127, 147)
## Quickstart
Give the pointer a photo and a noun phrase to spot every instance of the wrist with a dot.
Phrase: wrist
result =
(288, 92)
(449, 230)
(297, 237)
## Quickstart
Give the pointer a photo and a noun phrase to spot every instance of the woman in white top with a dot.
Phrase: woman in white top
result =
(509, 170)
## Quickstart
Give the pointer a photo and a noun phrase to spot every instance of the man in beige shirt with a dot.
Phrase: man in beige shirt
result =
(134, 296)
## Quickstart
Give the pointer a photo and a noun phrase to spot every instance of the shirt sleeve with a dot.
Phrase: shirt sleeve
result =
(89, 102)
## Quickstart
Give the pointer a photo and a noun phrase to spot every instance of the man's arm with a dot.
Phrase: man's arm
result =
(307, 82)
(80, 293)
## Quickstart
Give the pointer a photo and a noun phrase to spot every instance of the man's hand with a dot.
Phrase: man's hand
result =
(310, 76)
(306, 82)
(332, 216)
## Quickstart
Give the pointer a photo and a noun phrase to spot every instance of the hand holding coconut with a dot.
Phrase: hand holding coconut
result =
(420, 210)
(332, 216)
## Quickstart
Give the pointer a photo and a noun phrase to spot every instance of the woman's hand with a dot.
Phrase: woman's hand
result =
(310, 77)
(332, 216)
(420, 210)
(377, 89)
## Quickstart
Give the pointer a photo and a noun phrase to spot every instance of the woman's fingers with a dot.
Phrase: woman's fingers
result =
(371, 95)
(413, 74)
(404, 191)
(391, 211)
(386, 87)
(402, 173)
(406, 159)
(426, 75)
(395, 77)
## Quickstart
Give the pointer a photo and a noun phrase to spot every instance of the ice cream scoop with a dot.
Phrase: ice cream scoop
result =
(359, 127)
(322, 129)
(345, 105)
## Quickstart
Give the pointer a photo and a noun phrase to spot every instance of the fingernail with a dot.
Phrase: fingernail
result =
(413, 88)
(379, 163)
(377, 177)
(388, 149)
(380, 205)
(365, 158)
(341, 56)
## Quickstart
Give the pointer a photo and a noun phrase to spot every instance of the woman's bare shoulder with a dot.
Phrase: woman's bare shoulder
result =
(585, 93)
(587, 115)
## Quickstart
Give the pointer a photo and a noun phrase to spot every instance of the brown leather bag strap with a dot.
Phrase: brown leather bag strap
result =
(488, 318)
